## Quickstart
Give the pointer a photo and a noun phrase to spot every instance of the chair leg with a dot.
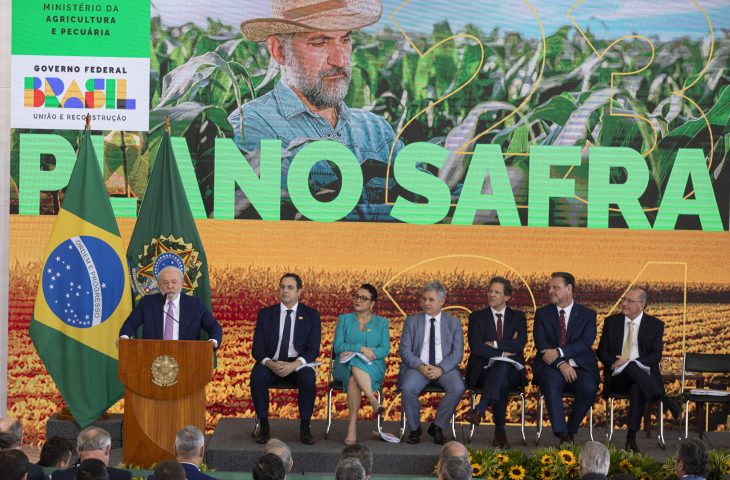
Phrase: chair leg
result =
(590, 425)
(380, 416)
(686, 419)
(472, 402)
(453, 425)
(402, 419)
(609, 420)
(522, 426)
(255, 425)
(539, 421)
(660, 439)
(329, 412)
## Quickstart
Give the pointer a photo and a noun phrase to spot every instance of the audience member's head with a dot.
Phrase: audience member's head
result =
(362, 453)
(268, 467)
(594, 458)
(454, 468)
(13, 465)
(169, 470)
(349, 469)
(454, 449)
(56, 453)
(94, 442)
(11, 433)
(92, 469)
(190, 445)
(691, 458)
(281, 450)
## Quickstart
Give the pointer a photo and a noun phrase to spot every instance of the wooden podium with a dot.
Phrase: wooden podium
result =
(164, 390)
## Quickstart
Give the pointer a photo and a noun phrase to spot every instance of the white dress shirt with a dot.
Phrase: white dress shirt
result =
(175, 316)
(292, 352)
(427, 337)
(494, 317)
(567, 309)
(634, 354)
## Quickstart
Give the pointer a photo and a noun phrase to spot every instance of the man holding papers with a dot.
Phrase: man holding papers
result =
(497, 337)
(286, 340)
(630, 351)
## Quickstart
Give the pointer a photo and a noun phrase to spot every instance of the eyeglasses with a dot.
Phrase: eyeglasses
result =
(624, 299)
(362, 298)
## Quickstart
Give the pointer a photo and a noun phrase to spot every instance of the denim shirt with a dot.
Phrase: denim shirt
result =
(281, 114)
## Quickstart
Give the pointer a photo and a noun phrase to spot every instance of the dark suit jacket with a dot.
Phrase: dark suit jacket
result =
(650, 338)
(191, 473)
(36, 472)
(194, 316)
(581, 335)
(482, 329)
(70, 474)
(307, 333)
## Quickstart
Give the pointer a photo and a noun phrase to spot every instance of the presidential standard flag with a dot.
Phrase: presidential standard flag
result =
(165, 226)
(83, 294)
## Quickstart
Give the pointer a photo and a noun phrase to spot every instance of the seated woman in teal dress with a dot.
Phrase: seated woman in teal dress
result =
(361, 332)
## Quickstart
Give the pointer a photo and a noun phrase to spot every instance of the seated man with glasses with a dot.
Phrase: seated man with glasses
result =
(630, 351)
(361, 332)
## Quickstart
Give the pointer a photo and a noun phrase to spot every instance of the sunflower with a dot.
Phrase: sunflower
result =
(625, 465)
(497, 476)
(727, 466)
(517, 472)
(546, 460)
(546, 474)
(501, 458)
(567, 457)
(477, 470)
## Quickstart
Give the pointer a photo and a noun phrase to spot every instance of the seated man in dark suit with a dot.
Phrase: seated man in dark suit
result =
(11, 437)
(168, 315)
(630, 351)
(496, 332)
(286, 338)
(93, 443)
(564, 335)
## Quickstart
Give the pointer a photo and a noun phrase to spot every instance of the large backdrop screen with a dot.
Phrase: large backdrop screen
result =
(474, 138)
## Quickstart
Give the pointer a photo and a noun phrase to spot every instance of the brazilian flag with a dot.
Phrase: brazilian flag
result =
(165, 229)
(83, 294)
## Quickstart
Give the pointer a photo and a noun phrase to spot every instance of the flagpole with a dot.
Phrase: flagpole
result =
(5, 6)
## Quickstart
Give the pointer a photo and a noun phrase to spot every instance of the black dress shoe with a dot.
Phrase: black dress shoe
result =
(500, 441)
(437, 433)
(473, 416)
(414, 437)
(566, 438)
(631, 444)
(263, 435)
(305, 435)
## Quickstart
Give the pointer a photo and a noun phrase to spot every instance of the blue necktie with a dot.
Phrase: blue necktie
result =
(432, 344)
(284, 345)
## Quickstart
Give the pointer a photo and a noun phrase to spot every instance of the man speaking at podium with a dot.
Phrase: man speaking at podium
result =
(167, 315)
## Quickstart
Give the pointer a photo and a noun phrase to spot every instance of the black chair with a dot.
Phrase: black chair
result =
(513, 393)
(431, 387)
(625, 396)
(541, 406)
(702, 363)
(281, 384)
(333, 385)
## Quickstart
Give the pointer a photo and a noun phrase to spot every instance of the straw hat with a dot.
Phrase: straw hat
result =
(291, 16)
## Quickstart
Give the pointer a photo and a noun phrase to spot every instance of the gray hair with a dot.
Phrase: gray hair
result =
(693, 455)
(11, 433)
(281, 450)
(349, 469)
(594, 458)
(435, 286)
(93, 438)
(454, 449)
(455, 469)
(168, 267)
(361, 453)
(188, 441)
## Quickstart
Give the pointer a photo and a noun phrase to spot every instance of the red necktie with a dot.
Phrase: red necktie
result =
(563, 329)
(499, 327)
